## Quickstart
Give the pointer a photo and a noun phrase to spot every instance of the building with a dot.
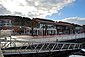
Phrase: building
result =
(38, 26)
(70, 28)
(83, 28)
(50, 27)
(5, 24)
(44, 27)
(64, 28)
(78, 28)
(15, 23)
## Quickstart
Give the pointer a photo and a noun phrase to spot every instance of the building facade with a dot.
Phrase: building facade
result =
(44, 27)
(50, 27)
(38, 26)
(15, 23)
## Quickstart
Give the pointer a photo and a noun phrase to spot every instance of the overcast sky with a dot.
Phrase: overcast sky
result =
(66, 10)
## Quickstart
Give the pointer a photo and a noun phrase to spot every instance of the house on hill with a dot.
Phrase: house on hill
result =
(14, 23)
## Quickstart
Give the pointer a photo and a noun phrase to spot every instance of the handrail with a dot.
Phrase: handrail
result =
(43, 47)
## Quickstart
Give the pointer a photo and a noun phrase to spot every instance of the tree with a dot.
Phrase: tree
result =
(44, 29)
(32, 24)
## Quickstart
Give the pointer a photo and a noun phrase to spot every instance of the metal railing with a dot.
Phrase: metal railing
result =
(16, 46)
